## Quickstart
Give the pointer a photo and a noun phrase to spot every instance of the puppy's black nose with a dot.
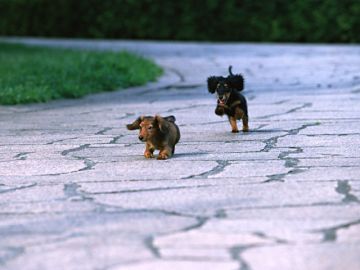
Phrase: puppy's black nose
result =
(141, 138)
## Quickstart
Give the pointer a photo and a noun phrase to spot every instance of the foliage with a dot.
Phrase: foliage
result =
(34, 74)
(235, 20)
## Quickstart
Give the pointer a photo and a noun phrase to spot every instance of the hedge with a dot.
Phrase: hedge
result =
(207, 20)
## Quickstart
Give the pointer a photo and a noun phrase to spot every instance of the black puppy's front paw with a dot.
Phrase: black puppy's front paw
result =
(219, 111)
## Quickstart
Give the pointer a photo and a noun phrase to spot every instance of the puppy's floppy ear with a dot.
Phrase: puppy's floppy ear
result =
(212, 83)
(170, 118)
(135, 124)
(236, 81)
(162, 124)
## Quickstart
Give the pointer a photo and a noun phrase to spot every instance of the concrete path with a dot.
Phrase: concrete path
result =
(77, 193)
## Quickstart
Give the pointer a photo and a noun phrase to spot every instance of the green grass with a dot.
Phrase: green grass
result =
(36, 74)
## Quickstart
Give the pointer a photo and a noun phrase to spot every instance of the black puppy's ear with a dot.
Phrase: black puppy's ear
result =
(135, 124)
(236, 81)
(162, 124)
(170, 118)
(212, 83)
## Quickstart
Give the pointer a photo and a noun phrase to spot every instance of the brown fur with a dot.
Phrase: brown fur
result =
(157, 132)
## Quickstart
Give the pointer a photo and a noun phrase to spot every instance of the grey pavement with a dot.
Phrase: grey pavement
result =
(77, 193)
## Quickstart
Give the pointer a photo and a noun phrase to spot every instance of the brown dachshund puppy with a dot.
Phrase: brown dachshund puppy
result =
(157, 132)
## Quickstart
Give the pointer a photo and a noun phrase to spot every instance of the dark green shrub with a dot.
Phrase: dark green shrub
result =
(231, 20)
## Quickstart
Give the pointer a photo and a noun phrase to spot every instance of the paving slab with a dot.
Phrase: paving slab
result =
(76, 191)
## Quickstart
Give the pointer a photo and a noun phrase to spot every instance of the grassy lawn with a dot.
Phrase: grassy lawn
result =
(35, 74)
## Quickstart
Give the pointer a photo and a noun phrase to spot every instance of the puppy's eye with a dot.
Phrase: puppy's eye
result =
(150, 127)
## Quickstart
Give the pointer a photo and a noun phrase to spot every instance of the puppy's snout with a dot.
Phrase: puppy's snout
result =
(141, 137)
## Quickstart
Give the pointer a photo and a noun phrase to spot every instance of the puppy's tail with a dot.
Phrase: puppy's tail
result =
(236, 81)
(230, 71)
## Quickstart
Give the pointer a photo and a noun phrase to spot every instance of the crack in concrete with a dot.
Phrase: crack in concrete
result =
(280, 176)
(272, 238)
(271, 142)
(330, 234)
(71, 191)
(10, 253)
(89, 164)
(61, 140)
(305, 105)
(217, 169)
(22, 155)
(81, 147)
(259, 127)
(178, 73)
(150, 245)
(356, 91)
(102, 132)
(334, 135)
(287, 206)
(236, 252)
(115, 139)
(147, 190)
(179, 87)
(281, 102)
(201, 221)
(343, 187)
(275, 178)
(156, 251)
(220, 213)
(2, 190)
(290, 162)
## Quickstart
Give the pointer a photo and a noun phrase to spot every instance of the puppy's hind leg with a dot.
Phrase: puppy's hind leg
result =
(245, 121)
(234, 128)
(239, 113)
(165, 153)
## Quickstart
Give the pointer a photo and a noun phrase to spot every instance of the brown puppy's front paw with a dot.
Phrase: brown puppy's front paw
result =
(148, 155)
(162, 156)
(235, 131)
(245, 129)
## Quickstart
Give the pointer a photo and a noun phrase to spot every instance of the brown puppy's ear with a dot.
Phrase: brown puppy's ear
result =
(135, 124)
(236, 81)
(212, 83)
(162, 124)
(170, 118)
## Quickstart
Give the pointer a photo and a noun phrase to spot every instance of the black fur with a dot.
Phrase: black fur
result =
(229, 97)
(235, 81)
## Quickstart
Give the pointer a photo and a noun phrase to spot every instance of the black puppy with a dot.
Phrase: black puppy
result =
(230, 101)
